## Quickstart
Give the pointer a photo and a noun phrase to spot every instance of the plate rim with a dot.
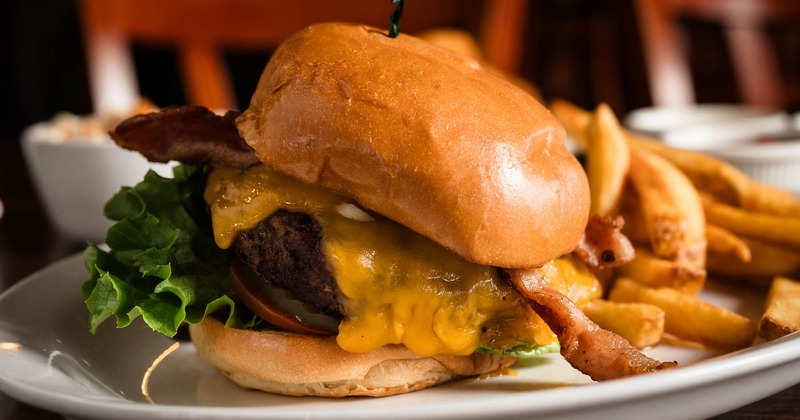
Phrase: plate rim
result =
(717, 369)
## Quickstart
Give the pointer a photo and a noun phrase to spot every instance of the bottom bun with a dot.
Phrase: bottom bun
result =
(292, 364)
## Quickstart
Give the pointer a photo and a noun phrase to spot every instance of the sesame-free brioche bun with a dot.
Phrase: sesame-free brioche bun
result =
(293, 364)
(424, 136)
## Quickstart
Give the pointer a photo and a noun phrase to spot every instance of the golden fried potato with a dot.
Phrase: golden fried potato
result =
(688, 317)
(723, 181)
(671, 207)
(767, 227)
(641, 324)
(707, 173)
(767, 199)
(607, 161)
(723, 242)
(631, 211)
(688, 214)
(652, 271)
(768, 260)
(782, 314)
(576, 120)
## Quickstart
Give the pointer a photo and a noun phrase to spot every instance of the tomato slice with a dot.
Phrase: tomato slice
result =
(275, 305)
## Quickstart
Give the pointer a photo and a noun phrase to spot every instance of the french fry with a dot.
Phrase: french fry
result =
(652, 271)
(782, 314)
(723, 242)
(607, 160)
(574, 119)
(717, 177)
(722, 180)
(708, 174)
(768, 260)
(764, 198)
(671, 208)
(688, 317)
(767, 227)
(641, 324)
(687, 214)
(631, 211)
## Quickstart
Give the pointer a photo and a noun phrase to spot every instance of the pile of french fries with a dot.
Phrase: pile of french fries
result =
(690, 216)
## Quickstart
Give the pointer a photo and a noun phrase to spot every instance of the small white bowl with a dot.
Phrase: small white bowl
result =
(761, 143)
(75, 178)
(655, 121)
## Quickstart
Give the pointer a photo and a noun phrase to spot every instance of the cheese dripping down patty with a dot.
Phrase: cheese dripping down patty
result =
(396, 286)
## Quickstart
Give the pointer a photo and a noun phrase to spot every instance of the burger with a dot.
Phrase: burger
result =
(365, 227)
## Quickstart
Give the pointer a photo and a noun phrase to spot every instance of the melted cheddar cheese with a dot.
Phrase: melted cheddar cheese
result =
(397, 287)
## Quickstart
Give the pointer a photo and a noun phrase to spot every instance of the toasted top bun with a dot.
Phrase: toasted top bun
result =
(424, 136)
(293, 364)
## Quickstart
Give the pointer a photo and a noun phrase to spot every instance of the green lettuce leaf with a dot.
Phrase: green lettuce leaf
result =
(162, 263)
(523, 349)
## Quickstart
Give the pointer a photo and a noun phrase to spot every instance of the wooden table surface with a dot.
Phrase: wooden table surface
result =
(28, 243)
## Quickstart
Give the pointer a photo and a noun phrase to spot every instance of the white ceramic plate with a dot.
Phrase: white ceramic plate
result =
(48, 359)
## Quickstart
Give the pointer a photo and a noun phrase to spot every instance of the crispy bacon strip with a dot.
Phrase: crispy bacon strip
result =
(188, 134)
(603, 245)
(592, 350)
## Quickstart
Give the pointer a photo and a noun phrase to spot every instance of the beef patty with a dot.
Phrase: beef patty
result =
(286, 250)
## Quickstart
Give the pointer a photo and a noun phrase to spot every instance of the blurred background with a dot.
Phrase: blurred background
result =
(581, 50)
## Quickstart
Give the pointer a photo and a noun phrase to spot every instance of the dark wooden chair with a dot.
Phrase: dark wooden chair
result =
(199, 31)
(744, 24)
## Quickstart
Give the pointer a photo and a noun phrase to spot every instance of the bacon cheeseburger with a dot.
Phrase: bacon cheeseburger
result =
(384, 217)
